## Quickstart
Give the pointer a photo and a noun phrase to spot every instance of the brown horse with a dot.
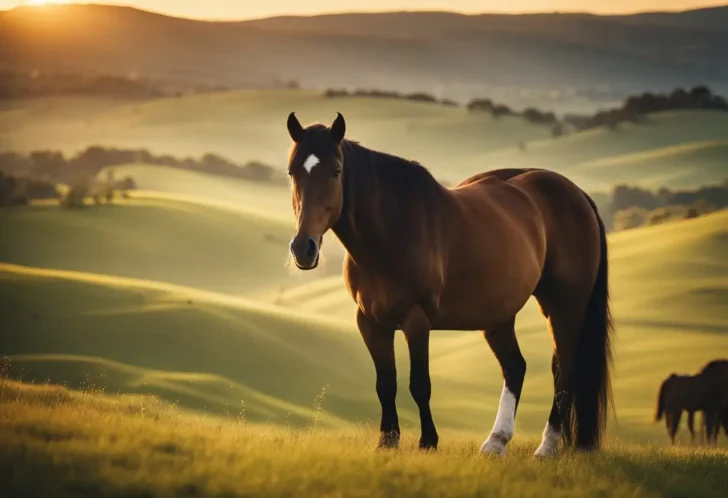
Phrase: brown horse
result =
(706, 391)
(423, 257)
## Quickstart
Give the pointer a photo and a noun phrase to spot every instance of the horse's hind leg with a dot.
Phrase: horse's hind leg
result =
(502, 340)
(565, 323)
(552, 432)
(712, 427)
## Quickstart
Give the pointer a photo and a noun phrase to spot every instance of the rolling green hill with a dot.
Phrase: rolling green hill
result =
(669, 285)
(251, 125)
(201, 349)
(266, 200)
(172, 240)
(675, 149)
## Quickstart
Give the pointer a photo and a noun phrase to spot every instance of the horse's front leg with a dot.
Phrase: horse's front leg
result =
(416, 329)
(380, 343)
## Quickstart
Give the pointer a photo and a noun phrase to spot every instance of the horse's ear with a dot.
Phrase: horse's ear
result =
(338, 129)
(294, 127)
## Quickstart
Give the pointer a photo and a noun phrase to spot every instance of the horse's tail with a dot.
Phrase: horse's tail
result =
(590, 378)
(661, 400)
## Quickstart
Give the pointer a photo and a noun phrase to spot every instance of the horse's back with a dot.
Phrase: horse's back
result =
(567, 216)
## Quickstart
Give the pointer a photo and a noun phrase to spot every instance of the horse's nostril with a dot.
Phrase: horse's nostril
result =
(311, 248)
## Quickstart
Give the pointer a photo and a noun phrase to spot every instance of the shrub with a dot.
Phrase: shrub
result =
(629, 218)
(74, 197)
(502, 110)
(481, 105)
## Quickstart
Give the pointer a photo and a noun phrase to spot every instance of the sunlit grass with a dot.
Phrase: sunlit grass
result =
(89, 445)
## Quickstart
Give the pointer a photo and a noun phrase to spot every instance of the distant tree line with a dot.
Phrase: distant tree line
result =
(27, 84)
(54, 166)
(530, 114)
(384, 94)
(633, 110)
(633, 206)
(16, 190)
(636, 107)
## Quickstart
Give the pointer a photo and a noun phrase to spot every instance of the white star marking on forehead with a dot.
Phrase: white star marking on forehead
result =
(311, 161)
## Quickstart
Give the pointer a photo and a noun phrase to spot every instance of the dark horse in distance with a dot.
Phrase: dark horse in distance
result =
(423, 257)
(706, 392)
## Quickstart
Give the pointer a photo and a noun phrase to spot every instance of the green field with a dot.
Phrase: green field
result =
(231, 251)
(173, 341)
(90, 446)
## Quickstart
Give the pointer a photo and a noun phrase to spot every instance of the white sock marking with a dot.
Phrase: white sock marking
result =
(311, 161)
(503, 427)
(549, 443)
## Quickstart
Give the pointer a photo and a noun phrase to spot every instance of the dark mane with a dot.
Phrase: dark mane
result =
(392, 201)
(402, 178)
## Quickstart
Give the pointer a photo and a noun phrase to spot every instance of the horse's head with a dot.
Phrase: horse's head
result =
(315, 166)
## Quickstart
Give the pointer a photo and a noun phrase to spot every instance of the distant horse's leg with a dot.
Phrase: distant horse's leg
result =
(672, 420)
(502, 340)
(380, 343)
(711, 427)
(416, 328)
(691, 426)
(552, 432)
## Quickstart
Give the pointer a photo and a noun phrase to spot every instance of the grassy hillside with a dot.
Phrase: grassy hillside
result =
(266, 200)
(669, 283)
(251, 125)
(675, 149)
(200, 349)
(129, 446)
(172, 240)
(526, 60)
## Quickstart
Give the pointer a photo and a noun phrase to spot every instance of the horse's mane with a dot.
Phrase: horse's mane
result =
(398, 200)
(405, 178)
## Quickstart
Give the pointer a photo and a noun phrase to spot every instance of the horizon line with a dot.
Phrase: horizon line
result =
(368, 12)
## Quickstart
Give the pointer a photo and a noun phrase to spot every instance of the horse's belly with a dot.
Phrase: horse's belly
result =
(489, 284)
(486, 305)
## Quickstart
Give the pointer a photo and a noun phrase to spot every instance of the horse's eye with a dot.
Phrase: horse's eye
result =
(336, 173)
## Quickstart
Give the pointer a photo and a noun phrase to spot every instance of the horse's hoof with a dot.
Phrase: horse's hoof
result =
(545, 451)
(493, 447)
(388, 441)
(426, 445)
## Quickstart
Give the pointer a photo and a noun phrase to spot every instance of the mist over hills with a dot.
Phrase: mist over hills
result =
(564, 62)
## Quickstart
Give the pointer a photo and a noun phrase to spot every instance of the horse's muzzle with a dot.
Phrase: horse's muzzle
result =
(305, 251)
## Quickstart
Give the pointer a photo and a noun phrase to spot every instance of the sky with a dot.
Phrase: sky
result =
(246, 9)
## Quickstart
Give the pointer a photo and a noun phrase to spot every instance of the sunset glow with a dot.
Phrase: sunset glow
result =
(229, 9)
(44, 2)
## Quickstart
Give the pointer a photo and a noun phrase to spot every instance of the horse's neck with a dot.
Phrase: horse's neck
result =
(373, 223)
(357, 229)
